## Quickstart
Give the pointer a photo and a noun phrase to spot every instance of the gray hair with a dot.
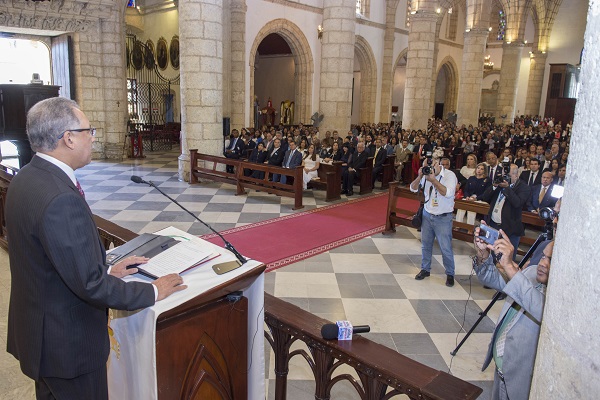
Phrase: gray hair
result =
(49, 118)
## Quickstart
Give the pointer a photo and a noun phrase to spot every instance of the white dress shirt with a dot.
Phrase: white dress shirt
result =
(437, 204)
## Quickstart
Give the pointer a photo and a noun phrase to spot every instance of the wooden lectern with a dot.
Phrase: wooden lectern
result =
(201, 346)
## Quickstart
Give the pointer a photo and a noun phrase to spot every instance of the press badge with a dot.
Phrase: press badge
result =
(434, 202)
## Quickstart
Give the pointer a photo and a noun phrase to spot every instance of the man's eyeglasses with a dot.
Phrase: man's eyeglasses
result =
(91, 129)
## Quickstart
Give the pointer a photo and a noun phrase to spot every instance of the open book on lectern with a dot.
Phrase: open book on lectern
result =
(166, 254)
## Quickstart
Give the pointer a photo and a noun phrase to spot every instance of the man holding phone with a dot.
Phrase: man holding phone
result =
(514, 342)
(439, 185)
(506, 200)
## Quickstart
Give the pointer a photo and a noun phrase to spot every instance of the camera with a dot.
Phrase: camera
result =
(427, 169)
(548, 214)
(504, 175)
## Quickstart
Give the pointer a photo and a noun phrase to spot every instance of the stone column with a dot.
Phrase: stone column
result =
(201, 53)
(537, 67)
(238, 63)
(471, 77)
(337, 62)
(509, 81)
(101, 87)
(387, 78)
(420, 69)
(568, 356)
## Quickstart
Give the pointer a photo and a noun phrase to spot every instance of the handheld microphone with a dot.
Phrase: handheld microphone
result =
(333, 331)
(228, 245)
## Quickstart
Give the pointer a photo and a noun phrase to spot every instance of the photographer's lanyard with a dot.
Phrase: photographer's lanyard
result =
(434, 202)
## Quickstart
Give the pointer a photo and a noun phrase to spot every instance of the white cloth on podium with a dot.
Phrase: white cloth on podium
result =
(132, 372)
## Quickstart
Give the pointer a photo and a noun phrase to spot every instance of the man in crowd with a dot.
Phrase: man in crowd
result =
(402, 155)
(61, 288)
(235, 148)
(493, 166)
(533, 176)
(438, 188)
(275, 156)
(379, 157)
(506, 200)
(291, 160)
(541, 195)
(514, 342)
(358, 160)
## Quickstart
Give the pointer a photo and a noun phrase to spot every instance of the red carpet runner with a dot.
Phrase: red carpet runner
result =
(281, 241)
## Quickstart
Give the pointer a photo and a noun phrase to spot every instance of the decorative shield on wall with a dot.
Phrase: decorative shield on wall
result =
(137, 55)
(162, 55)
(174, 52)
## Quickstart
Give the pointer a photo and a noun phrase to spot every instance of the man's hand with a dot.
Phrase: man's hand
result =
(120, 269)
(167, 285)
(505, 264)
(503, 184)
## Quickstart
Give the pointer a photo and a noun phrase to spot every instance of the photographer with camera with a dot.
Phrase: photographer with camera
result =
(514, 343)
(506, 198)
(438, 185)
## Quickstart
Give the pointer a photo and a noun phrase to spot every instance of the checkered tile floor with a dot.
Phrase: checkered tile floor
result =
(370, 281)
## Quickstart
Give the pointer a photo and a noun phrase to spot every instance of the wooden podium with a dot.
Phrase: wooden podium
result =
(194, 344)
(201, 346)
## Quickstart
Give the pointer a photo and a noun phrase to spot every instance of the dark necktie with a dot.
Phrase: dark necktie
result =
(80, 189)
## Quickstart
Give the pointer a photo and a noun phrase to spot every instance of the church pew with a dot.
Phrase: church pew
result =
(366, 172)
(330, 178)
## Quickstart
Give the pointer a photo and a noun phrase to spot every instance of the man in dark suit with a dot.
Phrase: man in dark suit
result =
(421, 151)
(258, 156)
(60, 286)
(291, 160)
(379, 157)
(358, 160)
(541, 194)
(235, 149)
(275, 157)
(506, 201)
(533, 176)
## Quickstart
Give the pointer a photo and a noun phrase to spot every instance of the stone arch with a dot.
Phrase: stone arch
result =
(402, 54)
(303, 61)
(451, 70)
(368, 79)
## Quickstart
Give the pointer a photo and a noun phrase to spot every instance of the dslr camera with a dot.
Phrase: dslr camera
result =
(504, 175)
(427, 168)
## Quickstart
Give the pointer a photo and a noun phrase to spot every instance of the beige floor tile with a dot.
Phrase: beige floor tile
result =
(384, 315)
(431, 288)
(136, 215)
(469, 359)
(159, 225)
(359, 263)
(195, 207)
(398, 246)
(305, 278)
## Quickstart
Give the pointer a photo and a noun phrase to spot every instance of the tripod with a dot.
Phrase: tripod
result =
(547, 234)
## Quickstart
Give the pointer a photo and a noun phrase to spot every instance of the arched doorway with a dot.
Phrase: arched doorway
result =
(303, 67)
(365, 70)
(399, 83)
(446, 89)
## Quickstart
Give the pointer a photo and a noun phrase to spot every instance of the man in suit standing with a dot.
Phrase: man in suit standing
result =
(291, 160)
(541, 194)
(533, 176)
(235, 148)
(493, 166)
(61, 288)
(514, 343)
(358, 160)
(379, 157)
(506, 200)
(402, 155)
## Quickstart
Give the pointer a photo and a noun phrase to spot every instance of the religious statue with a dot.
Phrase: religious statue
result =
(268, 113)
(286, 112)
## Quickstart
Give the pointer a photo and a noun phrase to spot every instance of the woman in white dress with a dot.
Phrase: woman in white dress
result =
(310, 163)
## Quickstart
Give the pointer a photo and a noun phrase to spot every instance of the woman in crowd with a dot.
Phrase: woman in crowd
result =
(554, 165)
(303, 147)
(310, 163)
(334, 155)
(475, 186)
(525, 166)
(468, 170)
(564, 157)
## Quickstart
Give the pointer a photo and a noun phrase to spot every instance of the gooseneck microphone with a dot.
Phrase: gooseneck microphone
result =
(331, 331)
(228, 245)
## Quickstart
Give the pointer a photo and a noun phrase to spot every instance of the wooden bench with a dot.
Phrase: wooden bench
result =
(213, 168)
(383, 372)
(330, 180)
(388, 172)
(366, 173)
(460, 230)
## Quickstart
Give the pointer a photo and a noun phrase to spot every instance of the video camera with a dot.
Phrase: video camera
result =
(504, 175)
(427, 168)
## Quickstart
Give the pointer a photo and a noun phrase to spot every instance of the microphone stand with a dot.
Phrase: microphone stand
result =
(228, 245)
(545, 235)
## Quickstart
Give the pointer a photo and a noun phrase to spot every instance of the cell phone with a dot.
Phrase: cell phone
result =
(225, 267)
(487, 234)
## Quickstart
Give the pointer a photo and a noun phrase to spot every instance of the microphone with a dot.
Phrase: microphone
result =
(228, 245)
(333, 331)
